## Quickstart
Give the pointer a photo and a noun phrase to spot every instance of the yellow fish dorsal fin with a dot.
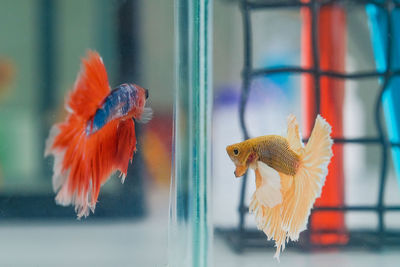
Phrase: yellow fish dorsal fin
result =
(293, 135)
(268, 182)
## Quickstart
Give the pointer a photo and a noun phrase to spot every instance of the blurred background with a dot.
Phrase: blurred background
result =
(42, 42)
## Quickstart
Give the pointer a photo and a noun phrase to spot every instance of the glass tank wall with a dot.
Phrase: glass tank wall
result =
(190, 229)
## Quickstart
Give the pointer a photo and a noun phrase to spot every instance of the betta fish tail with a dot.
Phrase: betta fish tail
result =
(309, 179)
(83, 161)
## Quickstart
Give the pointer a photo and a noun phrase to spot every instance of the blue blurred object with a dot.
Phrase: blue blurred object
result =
(378, 24)
(283, 81)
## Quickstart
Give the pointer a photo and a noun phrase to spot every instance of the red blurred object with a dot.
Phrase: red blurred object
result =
(332, 50)
(7, 75)
(157, 142)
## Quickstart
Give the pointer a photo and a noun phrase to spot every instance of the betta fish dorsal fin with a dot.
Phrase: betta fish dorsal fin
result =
(293, 134)
(91, 87)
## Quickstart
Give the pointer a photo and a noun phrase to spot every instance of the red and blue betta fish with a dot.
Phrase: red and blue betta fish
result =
(97, 137)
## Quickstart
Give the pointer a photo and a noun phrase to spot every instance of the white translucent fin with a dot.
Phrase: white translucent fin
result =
(122, 176)
(54, 131)
(81, 202)
(60, 183)
(308, 181)
(59, 177)
(293, 134)
(147, 115)
(269, 192)
(269, 221)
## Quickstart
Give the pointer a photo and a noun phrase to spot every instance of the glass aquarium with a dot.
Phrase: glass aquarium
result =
(217, 73)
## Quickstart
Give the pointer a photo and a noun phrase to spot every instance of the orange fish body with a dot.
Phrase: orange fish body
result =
(289, 177)
(98, 136)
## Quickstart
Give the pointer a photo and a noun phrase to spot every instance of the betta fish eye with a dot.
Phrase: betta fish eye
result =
(236, 151)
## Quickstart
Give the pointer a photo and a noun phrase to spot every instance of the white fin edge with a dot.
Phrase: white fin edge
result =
(147, 115)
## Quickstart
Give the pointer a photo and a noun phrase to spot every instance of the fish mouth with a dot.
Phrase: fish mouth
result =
(240, 170)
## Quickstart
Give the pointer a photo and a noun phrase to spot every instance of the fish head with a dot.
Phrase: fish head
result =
(139, 97)
(243, 155)
(137, 103)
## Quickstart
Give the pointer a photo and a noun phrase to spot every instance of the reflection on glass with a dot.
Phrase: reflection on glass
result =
(190, 232)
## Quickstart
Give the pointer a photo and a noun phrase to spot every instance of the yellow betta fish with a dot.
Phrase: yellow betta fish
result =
(289, 177)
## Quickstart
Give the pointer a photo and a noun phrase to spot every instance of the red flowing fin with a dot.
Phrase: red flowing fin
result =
(84, 162)
(110, 149)
(126, 146)
(91, 87)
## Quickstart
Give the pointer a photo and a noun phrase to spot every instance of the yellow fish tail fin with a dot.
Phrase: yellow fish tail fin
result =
(309, 179)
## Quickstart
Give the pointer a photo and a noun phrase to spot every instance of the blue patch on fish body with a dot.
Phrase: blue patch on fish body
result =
(117, 104)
